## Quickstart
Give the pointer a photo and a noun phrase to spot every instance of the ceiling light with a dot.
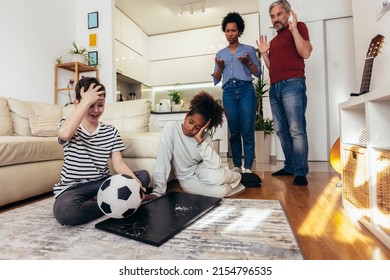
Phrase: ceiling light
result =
(191, 8)
(181, 11)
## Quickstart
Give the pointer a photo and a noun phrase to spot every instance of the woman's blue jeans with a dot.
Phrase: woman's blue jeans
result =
(239, 102)
(288, 104)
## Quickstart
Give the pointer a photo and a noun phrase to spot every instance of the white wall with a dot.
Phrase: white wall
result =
(340, 59)
(315, 13)
(105, 39)
(312, 10)
(367, 27)
(33, 34)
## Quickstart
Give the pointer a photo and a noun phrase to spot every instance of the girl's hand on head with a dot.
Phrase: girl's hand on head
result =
(199, 135)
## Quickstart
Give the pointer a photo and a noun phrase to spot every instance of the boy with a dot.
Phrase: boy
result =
(88, 144)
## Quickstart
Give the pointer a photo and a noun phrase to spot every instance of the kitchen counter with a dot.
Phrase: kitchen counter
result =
(167, 113)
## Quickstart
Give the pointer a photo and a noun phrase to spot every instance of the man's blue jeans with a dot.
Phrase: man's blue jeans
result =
(288, 104)
(239, 102)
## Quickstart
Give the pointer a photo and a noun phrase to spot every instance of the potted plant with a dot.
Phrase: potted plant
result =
(76, 53)
(263, 126)
(58, 60)
(177, 102)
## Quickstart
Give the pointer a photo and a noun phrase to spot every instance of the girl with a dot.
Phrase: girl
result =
(185, 149)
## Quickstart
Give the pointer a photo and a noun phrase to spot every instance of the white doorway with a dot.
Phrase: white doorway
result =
(330, 78)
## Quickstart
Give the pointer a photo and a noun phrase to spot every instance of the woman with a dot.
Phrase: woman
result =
(236, 64)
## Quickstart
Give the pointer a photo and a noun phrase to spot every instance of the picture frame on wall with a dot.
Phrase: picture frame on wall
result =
(93, 20)
(93, 58)
(93, 40)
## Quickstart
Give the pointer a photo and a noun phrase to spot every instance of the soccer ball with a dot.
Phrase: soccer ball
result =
(119, 196)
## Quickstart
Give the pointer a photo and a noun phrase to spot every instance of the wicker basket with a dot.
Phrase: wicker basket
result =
(355, 181)
(383, 188)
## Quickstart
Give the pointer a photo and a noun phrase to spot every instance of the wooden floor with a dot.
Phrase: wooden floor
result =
(323, 229)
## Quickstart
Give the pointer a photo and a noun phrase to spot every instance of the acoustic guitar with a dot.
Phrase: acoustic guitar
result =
(373, 50)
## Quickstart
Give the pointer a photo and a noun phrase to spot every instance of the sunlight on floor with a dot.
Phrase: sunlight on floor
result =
(248, 220)
(317, 220)
(346, 231)
(382, 219)
(216, 217)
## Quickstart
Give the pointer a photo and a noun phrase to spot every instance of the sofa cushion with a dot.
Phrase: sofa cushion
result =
(21, 110)
(5, 118)
(43, 126)
(128, 116)
(140, 144)
(27, 149)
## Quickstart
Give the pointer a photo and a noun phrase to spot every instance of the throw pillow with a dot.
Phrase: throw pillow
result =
(5, 118)
(43, 126)
(20, 111)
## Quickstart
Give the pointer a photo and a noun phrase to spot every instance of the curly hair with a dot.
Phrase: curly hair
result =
(86, 82)
(234, 17)
(205, 105)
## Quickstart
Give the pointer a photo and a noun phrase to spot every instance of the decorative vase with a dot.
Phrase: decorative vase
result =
(74, 58)
(177, 107)
(262, 147)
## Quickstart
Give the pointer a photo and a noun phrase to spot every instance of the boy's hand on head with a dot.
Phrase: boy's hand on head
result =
(199, 135)
(92, 95)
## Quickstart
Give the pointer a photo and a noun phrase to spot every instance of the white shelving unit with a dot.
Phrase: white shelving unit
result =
(365, 157)
(75, 69)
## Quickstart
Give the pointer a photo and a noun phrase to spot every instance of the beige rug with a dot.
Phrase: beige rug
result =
(237, 229)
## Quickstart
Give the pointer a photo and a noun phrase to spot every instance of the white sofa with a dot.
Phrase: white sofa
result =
(31, 158)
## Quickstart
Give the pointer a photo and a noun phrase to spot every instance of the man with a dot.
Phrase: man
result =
(284, 57)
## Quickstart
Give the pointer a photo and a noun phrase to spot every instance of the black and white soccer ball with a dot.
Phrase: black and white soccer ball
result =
(119, 196)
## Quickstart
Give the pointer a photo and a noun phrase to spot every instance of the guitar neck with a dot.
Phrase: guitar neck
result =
(366, 79)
